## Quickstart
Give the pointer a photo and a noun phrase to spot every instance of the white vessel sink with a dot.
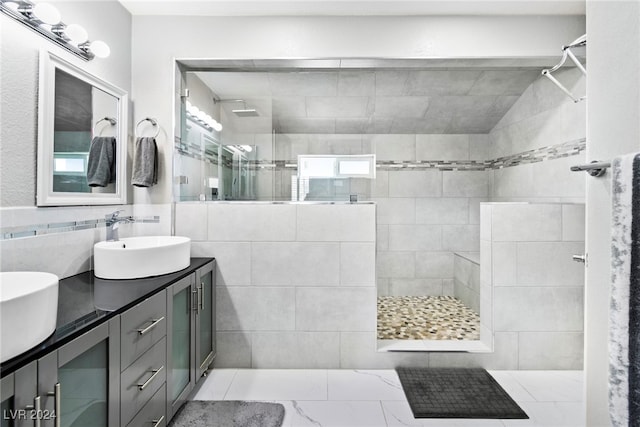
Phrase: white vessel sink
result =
(28, 310)
(136, 257)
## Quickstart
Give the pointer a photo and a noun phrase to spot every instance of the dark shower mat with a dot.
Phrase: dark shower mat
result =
(456, 393)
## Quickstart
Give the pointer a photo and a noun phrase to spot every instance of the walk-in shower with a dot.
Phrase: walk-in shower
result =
(433, 134)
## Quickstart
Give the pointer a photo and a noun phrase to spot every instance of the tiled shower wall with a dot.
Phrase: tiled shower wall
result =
(466, 276)
(425, 215)
(543, 116)
(537, 289)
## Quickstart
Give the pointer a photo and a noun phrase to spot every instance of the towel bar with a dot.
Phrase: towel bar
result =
(595, 168)
(154, 123)
(111, 121)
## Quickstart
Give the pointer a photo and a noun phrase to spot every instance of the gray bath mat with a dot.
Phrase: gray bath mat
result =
(228, 413)
(456, 393)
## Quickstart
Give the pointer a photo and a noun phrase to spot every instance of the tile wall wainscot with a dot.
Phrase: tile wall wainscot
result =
(296, 289)
(538, 290)
(296, 283)
(60, 240)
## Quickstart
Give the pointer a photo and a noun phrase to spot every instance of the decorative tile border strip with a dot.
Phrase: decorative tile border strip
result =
(551, 152)
(32, 230)
(566, 149)
(443, 165)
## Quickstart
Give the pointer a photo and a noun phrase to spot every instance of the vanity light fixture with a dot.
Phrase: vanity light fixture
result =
(202, 118)
(45, 19)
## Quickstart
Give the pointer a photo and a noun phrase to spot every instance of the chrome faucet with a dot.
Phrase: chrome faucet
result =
(112, 221)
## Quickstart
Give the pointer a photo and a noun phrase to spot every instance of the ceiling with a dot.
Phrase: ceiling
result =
(369, 101)
(353, 7)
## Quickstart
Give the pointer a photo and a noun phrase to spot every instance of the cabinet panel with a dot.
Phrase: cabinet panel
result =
(205, 318)
(142, 379)
(152, 414)
(143, 326)
(180, 339)
(191, 337)
(73, 382)
(19, 397)
(84, 388)
(180, 348)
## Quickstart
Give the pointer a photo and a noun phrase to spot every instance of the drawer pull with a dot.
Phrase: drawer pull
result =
(151, 326)
(151, 378)
(157, 422)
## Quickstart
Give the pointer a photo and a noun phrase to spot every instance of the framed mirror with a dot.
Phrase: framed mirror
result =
(82, 137)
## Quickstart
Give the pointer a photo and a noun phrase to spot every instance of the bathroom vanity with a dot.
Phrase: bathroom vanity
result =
(124, 353)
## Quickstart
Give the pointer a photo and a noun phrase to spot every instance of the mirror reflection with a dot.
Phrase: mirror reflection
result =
(214, 170)
(79, 109)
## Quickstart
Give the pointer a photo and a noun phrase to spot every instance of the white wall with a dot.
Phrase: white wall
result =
(69, 252)
(155, 49)
(613, 128)
(19, 85)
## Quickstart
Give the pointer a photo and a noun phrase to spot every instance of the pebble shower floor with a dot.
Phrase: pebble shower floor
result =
(426, 318)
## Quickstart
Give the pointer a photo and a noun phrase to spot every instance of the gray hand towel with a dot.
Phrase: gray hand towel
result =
(101, 165)
(145, 162)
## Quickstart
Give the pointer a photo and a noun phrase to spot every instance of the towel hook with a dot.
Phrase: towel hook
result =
(154, 123)
(111, 121)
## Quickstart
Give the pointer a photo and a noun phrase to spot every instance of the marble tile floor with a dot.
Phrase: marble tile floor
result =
(372, 398)
(426, 318)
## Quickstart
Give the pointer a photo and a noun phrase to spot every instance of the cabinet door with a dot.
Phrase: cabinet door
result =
(79, 383)
(180, 343)
(21, 407)
(205, 318)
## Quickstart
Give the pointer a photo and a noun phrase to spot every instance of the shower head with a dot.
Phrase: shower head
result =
(246, 112)
(240, 112)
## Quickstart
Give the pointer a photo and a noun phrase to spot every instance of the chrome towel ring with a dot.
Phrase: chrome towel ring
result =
(111, 121)
(153, 122)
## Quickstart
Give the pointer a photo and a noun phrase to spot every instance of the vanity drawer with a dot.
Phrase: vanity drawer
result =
(142, 326)
(153, 413)
(142, 380)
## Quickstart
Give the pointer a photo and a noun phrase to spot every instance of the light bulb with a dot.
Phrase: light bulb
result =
(100, 49)
(217, 127)
(194, 111)
(46, 13)
(247, 148)
(202, 116)
(76, 33)
(13, 5)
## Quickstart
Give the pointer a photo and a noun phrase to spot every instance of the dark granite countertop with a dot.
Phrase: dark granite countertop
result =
(85, 301)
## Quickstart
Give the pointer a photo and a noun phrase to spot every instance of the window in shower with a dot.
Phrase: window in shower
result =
(333, 178)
